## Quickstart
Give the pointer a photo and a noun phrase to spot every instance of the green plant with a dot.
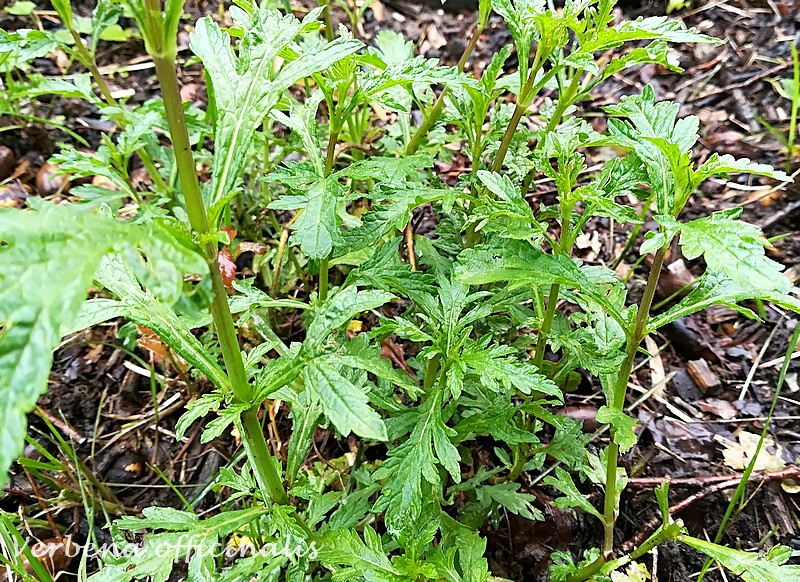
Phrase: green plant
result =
(788, 88)
(414, 514)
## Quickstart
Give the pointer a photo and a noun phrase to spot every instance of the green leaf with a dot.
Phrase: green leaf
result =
(571, 496)
(413, 463)
(507, 213)
(346, 405)
(316, 230)
(520, 263)
(354, 559)
(302, 119)
(736, 249)
(387, 218)
(340, 308)
(752, 567)
(507, 495)
(104, 16)
(306, 412)
(621, 426)
(155, 559)
(652, 28)
(496, 367)
(714, 288)
(46, 267)
(21, 8)
(717, 165)
(358, 354)
(246, 87)
(660, 141)
(391, 172)
(19, 48)
(145, 309)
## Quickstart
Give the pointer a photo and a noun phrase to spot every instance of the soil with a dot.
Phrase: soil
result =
(101, 397)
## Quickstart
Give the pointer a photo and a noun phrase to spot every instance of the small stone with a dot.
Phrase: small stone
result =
(49, 183)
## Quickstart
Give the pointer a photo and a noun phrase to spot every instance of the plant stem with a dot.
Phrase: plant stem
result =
(547, 323)
(276, 273)
(431, 371)
(795, 105)
(634, 339)
(438, 106)
(261, 460)
(326, 16)
(323, 279)
(90, 63)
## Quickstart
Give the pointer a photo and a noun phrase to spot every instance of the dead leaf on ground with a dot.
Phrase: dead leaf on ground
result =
(738, 455)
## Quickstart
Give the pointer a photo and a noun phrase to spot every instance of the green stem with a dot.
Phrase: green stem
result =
(795, 106)
(326, 17)
(547, 323)
(438, 106)
(431, 371)
(261, 460)
(634, 233)
(587, 571)
(90, 63)
(634, 339)
(323, 279)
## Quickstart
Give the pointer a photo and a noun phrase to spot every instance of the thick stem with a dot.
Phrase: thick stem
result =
(438, 106)
(634, 339)
(261, 460)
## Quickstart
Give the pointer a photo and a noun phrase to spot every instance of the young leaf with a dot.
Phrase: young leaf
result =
(508, 496)
(621, 426)
(572, 497)
(245, 87)
(340, 308)
(316, 230)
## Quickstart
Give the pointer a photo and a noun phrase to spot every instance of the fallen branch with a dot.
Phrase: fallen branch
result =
(723, 482)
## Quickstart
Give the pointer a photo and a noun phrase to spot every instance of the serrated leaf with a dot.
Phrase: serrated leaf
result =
(520, 263)
(306, 412)
(346, 405)
(145, 309)
(734, 248)
(496, 367)
(571, 496)
(246, 86)
(46, 268)
(155, 559)
(751, 566)
(390, 171)
(340, 308)
(621, 426)
(413, 463)
(316, 230)
(713, 288)
(507, 495)
(386, 218)
(353, 559)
